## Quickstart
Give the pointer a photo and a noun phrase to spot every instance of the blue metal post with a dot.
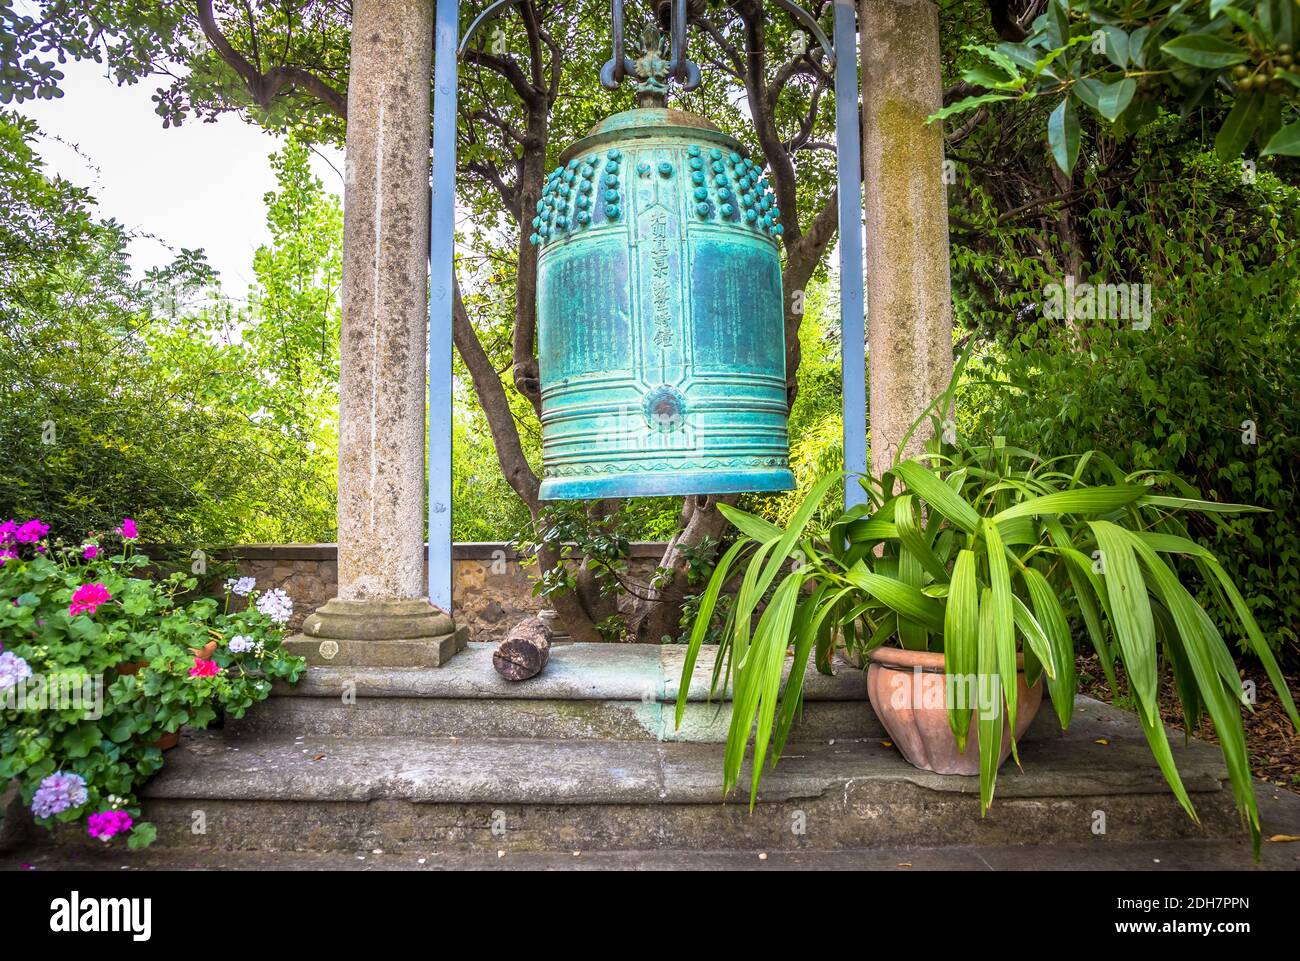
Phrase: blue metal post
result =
(442, 212)
(848, 151)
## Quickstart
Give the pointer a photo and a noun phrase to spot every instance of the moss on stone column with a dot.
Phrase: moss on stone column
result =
(908, 285)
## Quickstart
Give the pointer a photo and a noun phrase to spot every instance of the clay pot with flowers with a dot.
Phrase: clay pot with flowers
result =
(103, 661)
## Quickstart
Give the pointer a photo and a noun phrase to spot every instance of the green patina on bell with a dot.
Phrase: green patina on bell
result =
(660, 322)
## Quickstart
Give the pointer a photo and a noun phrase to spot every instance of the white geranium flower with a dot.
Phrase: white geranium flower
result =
(241, 644)
(243, 586)
(276, 605)
(12, 670)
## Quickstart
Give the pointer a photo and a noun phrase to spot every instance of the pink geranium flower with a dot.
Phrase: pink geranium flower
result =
(90, 552)
(204, 668)
(31, 532)
(87, 598)
(106, 824)
(128, 529)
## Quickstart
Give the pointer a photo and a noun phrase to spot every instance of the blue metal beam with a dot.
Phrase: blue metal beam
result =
(442, 241)
(848, 153)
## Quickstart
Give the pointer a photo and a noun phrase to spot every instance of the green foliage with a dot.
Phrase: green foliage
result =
(816, 420)
(209, 424)
(1204, 387)
(107, 683)
(93, 426)
(580, 537)
(990, 553)
(289, 348)
(1117, 60)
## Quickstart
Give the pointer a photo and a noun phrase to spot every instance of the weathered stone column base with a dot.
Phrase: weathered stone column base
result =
(377, 633)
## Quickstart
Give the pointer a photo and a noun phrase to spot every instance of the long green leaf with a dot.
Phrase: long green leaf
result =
(1239, 126)
(1169, 543)
(1130, 614)
(1050, 614)
(771, 639)
(1205, 51)
(923, 482)
(1089, 500)
(1035, 636)
(990, 719)
(1114, 98)
(747, 599)
(1286, 142)
(703, 615)
(1198, 635)
(913, 538)
(1003, 623)
(1211, 507)
(813, 613)
(750, 525)
(907, 601)
(785, 546)
(961, 627)
(1063, 134)
(1089, 594)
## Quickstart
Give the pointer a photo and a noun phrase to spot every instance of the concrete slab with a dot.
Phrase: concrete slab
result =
(626, 720)
(603, 672)
(1104, 753)
(477, 794)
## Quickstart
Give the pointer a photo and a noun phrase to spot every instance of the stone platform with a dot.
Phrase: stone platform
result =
(458, 763)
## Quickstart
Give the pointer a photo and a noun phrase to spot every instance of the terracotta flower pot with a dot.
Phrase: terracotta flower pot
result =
(909, 692)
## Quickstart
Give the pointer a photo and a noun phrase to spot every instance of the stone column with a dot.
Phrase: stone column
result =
(909, 298)
(382, 615)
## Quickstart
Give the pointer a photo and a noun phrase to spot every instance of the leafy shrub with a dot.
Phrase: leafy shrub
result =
(1207, 388)
(99, 661)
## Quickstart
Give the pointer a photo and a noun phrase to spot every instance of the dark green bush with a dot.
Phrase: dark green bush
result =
(1209, 390)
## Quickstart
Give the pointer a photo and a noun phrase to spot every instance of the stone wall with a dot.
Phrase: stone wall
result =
(491, 590)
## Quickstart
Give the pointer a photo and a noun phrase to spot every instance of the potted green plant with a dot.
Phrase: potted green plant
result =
(985, 563)
(102, 663)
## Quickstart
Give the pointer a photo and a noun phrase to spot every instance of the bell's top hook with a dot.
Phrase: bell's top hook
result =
(651, 70)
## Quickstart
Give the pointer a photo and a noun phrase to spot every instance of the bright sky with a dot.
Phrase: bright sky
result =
(199, 185)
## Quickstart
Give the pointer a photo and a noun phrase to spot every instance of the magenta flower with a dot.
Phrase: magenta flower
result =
(87, 598)
(204, 668)
(106, 824)
(90, 552)
(31, 532)
(128, 529)
(5, 554)
(7, 531)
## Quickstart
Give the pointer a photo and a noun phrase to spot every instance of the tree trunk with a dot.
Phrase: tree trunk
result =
(525, 651)
(908, 285)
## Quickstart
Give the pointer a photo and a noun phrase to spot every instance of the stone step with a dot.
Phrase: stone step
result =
(314, 793)
(1212, 854)
(588, 691)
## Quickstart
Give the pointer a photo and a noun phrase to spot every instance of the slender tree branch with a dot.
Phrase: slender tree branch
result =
(496, 406)
(507, 68)
(265, 87)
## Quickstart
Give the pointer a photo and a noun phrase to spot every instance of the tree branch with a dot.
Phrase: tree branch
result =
(496, 406)
(265, 87)
(508, 69)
